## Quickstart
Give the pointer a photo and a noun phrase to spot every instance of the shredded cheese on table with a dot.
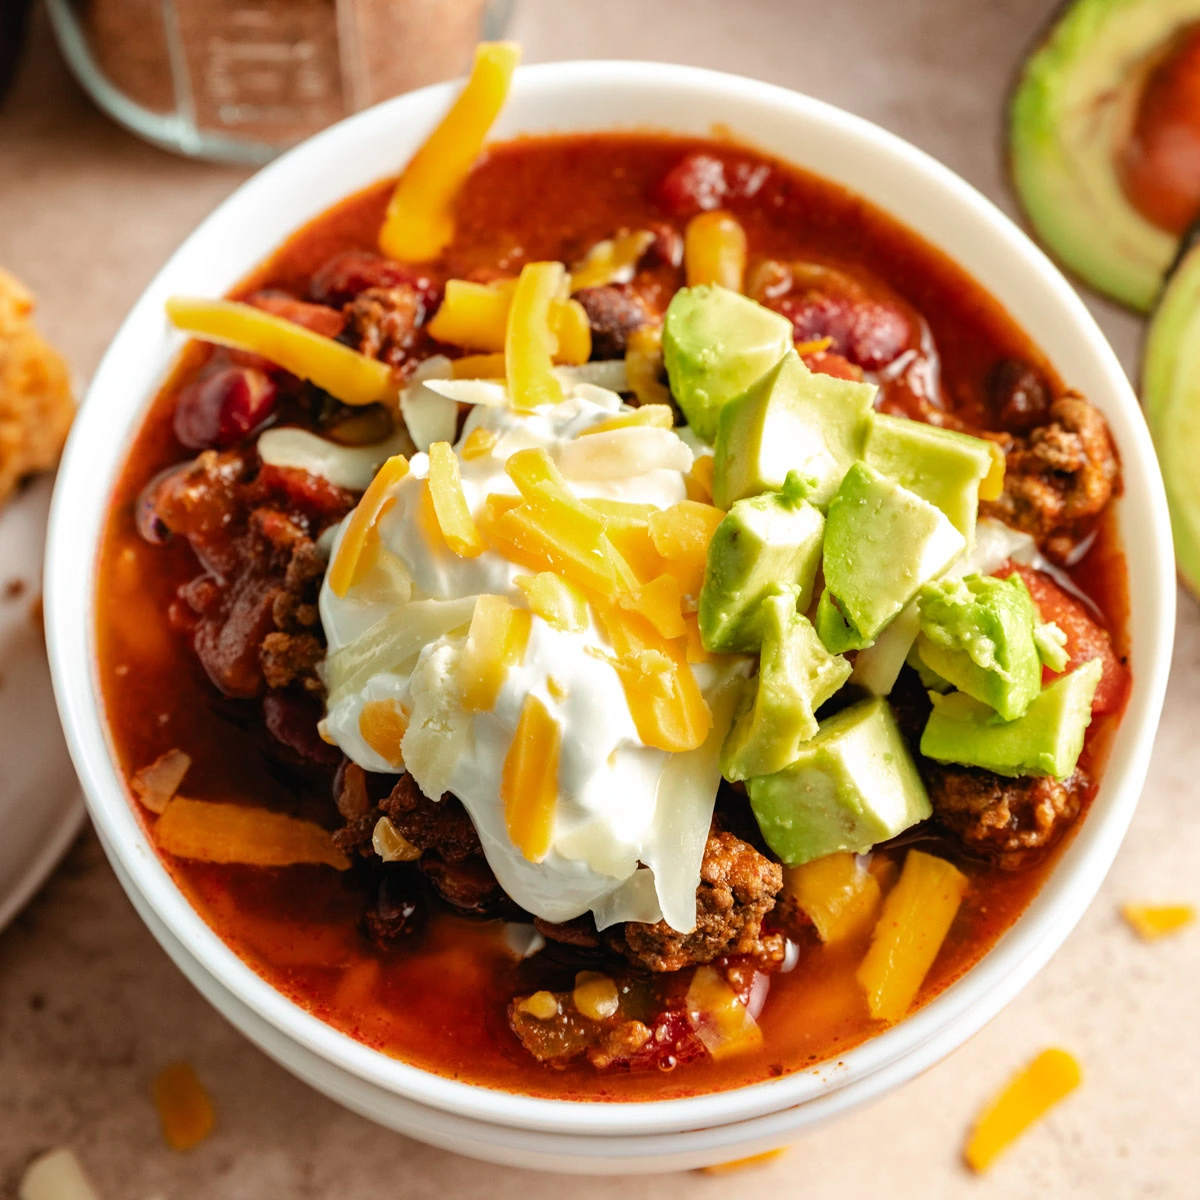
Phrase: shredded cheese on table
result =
(1028, 1096)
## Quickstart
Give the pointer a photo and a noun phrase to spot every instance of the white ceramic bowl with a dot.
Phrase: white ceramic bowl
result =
(578, 97)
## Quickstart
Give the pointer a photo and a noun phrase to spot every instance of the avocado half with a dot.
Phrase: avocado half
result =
(1171, 398)
(1069, 114)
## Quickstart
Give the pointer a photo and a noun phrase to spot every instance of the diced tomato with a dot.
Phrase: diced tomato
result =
(673, 1043)
(864, 331)
(311, 495)
(826, 362)
(1086, 637)
(320, 318)
(345, 275)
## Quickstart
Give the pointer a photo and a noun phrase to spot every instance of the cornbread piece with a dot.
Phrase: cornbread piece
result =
(36, 404)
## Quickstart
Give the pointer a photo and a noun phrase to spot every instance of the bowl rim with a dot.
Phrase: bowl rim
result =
(124, 382)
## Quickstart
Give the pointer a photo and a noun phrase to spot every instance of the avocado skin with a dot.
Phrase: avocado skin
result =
(1069, 187)
(716, 343)
(1170, 379)
(1047, 740)
(851, 786)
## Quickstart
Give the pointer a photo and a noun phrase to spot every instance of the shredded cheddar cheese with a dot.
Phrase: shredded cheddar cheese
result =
(659, 416)
(1153, 921)
(383, 724)
(1029, 1095)
(478, 366)
(742, 1164)
(837, 893)
(419, 223)
(495, 643)
(478, 444)
(529, 341)
(659, 601)
(344, 568)
(345, 374)
(553, 599)
(910, 931)
(529, 780)
(184, 1109)
(450, 504)
(721, 1021)
(681, 534)
(205, 831)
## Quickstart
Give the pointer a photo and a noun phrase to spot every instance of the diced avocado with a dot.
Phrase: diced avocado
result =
(796, 675)
(790, 419)
(953, 471)
(763, 543)
(1171, 397)
(1045, 741)
(1070, 124)
(852, 785)
(979, 633)
(1051, 645)
(716, 343)
(931, 681)
(882, 542)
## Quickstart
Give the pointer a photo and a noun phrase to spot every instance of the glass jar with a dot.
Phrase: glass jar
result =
(241, 80)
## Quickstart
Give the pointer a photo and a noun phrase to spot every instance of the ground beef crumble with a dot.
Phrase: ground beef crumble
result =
(737, 889)
(1059, 477)
(1007, 821)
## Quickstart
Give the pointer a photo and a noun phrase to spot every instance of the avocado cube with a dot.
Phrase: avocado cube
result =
(882, 542)
(763, 543)
(852, 785)
(716, 343)
(951, 470)
(979, 633)
(1047, 740)
(796, 675)
(790, 419)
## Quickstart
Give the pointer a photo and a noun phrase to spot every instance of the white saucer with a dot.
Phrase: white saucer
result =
(41, 806)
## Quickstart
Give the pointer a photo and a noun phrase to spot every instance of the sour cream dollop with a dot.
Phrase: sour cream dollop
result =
(631, 821)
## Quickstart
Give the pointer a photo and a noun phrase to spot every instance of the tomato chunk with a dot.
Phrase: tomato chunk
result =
(1086, 637)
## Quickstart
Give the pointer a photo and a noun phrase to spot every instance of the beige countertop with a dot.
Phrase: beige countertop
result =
(91, 1009)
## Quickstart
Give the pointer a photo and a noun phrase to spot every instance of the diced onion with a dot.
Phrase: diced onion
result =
(56, 1175)
(350, 467)
(157, 783)
(490, 393)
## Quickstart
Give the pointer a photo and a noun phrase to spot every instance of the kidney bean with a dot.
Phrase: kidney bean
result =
(222, 407)
(1018, 397)
(868, 333)
(695, 184)
(340, 279)
(291, 719)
